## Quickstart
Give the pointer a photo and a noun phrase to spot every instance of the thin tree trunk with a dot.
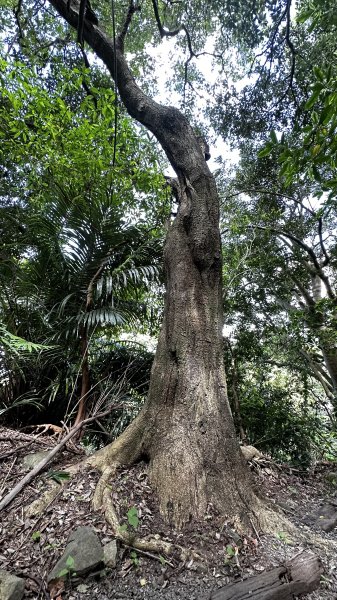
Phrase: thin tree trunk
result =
(85, 383)
(326, 334)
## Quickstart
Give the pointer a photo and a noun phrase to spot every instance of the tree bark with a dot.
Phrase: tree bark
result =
(195, 460)
(185, 430)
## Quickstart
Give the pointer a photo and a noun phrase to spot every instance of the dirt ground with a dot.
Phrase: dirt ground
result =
(29, 547)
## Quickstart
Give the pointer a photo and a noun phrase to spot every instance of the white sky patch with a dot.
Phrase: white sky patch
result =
(164, 55)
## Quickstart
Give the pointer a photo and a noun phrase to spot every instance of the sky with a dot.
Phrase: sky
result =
(164, 72)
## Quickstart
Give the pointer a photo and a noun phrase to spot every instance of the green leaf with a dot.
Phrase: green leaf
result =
(319, 73)
(63, 573)
(58, 476)
(304, 15)
(230, 551)
(132, 516)
(70, 562)
(266, 150)
(312, 100)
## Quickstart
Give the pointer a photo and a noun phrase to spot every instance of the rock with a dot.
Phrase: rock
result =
(250, 452)
(83, 554)
(326, 517)
(110, 554)
(11, 587)
(31, 460)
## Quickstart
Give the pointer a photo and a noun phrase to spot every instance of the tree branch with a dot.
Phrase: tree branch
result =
(133, 8)
(320, 235)
(30, 476)
(163, 32)
(183, 151)
(308, 250)
(273, 193)
(304, 293)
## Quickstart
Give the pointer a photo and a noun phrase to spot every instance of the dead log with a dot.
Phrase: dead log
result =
(299, 576)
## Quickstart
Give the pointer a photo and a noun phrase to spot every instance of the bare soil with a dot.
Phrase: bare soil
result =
(29, 547)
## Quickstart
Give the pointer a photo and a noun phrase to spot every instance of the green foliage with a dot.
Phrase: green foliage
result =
(230, 551)
(83, 237)
(133, 522)
(283, 537)
(68, 569)
(58, 476)
(313, 156)
(134, 558)
(15, 344)
(132, 517)
(278, 425)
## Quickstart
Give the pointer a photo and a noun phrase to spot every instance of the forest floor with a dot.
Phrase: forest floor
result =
(30, 547)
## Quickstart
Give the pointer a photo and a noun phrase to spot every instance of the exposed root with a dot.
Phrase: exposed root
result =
(40, 504)
(152, 545)
(271, 520)
(125, 450)
(274, 522)
(102, 486)
(54, 489)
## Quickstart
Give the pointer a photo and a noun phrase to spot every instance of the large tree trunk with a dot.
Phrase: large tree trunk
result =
(186, 429)
(195, 460)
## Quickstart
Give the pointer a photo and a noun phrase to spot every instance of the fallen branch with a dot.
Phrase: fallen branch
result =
(40, 466)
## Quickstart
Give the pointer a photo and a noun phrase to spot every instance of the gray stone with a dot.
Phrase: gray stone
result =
(110, 554)
(11, 587)
(250, 452)
(326, 517)
(84, 552)
(31, 460)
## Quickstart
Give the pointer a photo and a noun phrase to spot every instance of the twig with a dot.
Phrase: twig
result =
(16, 450)
(7, 475)
(122, 34)
(153, 556)
(255, 530)
(38, 581)
(30, 476)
